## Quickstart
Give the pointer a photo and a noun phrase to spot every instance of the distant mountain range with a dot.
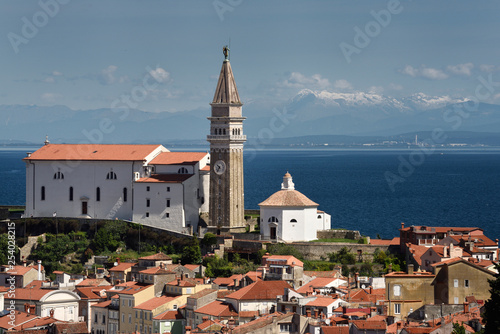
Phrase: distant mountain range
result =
(309, 113)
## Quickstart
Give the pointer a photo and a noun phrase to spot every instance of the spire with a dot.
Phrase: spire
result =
(46, 142)
(287, 182)
(226, 91)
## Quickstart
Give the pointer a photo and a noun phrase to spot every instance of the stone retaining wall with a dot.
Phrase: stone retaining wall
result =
(338, 234)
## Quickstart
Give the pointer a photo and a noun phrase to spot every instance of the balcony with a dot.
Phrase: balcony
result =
(226, 137)
(282, 277)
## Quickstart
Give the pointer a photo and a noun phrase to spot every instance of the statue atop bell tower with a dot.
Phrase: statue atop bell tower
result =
(226, 140)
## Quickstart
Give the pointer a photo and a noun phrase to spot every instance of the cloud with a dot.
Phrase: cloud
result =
(56, 73)
(160, 75)
(50, 97)
(49, 80)
(488, 68)
(461, 69)
(424, 72)
(108, 76)
(298, 80)
(342, 84)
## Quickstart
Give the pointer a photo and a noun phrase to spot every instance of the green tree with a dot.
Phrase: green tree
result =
(459, 328)
(209, 240)
(492, 306)
(344, 256)
(192, 252)
(4, 249)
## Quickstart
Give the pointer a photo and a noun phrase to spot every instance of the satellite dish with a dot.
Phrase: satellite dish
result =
(115, 264)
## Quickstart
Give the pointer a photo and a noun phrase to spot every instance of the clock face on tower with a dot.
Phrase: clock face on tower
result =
(219, 167)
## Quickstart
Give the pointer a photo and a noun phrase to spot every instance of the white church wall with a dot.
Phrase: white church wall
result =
(205, 190)
(266, 213)
(84, 177)
(166, 205)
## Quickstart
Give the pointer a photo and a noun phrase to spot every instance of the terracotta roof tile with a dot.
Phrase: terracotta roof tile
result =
(178, 158)
(157, 257)
(19, 318)
(370, 324)
(218, 309)
(288, 198)
(153, 303)
(156, 271)
(103, 304)
(319, 282)
(169, 315)
(262, 290)
(92, 152)
(286, 259)
(123, 266)
(202, 293)
(335, 329)
(322, 302)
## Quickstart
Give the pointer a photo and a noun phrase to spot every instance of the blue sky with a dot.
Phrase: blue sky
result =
(87, 54)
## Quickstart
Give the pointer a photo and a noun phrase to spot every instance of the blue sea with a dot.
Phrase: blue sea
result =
(445, 188)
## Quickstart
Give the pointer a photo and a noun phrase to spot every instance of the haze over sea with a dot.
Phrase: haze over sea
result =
(450, 188)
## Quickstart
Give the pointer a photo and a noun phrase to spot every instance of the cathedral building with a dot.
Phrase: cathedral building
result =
(148, 184)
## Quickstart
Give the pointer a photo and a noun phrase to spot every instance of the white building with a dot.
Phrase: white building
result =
(289, 215)
(144, 183)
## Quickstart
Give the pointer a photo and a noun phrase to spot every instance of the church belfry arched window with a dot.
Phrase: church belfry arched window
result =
(111, 176)
(58, 176)
(272, 219)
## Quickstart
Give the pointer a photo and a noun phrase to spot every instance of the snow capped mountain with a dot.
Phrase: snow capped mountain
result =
(419, 101)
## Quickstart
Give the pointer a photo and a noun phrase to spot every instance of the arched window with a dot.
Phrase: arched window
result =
(98, 194)
(111, 176)
(58, 176)
(182, 170)
(273, 219)
(124, 194)
(70, 193)
(238, 132)
(42, 193)
(293, 221)
(224, 131)
(220, 131)
(319, 216)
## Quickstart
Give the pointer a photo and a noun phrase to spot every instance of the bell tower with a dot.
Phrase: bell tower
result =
(226, 154)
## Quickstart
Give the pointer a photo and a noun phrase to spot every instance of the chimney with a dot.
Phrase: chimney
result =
(466, 307)
(188, 329)
(371, 290)
(39, 270)
(445, 252)
(26, 307)
(402, 225)
(118, 260)
(356, 279)
(410, 269)
(389, 270)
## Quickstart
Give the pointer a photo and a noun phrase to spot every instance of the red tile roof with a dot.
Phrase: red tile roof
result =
(218, 309)
(169, 315)
(192, 267)
(262, 290)
(322, 302)
(165, 178)
(134, 289)
(123, 266)
(248, 314)
(19, 318)
(370, 324)
(319, 282)
(93, 282)
(153, 303)
(202, 293)
(331, 273)
(92, 152)
(292, 198)
(157, 257)
(209, 326)
(18, 270)
(178, 158)
(156, 271)
(283, 259)
(91, 292)
(28, 294)
(335, 329)
(103, 304)
(33, 323)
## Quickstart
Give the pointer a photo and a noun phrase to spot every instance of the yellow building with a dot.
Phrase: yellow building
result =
(185, 287)
(406, 292)
(457, 279)
(145, 312)
(130, 297)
